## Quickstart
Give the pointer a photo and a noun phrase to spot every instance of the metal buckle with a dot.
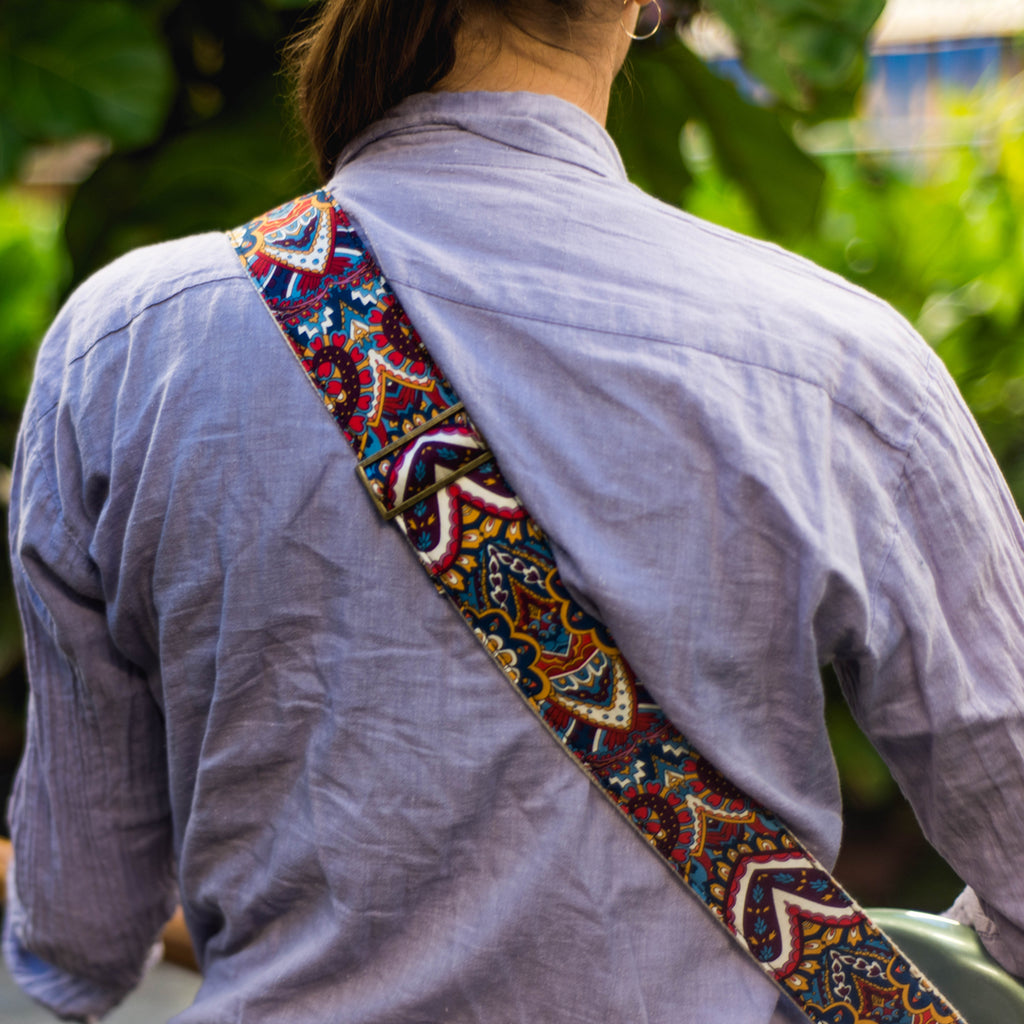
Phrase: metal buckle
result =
(390, 513)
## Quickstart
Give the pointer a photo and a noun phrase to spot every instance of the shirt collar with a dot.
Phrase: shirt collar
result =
(532, 122)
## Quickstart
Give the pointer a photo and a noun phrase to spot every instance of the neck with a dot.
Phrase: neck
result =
(494, 55)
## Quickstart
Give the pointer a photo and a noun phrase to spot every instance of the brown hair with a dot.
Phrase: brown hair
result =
(361, 57)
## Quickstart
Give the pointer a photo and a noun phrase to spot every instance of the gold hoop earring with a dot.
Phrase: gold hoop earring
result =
(657, 24)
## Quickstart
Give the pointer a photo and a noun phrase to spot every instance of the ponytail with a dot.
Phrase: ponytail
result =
(361, 57)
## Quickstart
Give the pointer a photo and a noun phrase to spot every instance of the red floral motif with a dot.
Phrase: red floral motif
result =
(662, 816)
(712, 787)
(390, 320)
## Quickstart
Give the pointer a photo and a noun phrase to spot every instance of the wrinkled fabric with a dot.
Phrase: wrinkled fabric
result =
(247, 696)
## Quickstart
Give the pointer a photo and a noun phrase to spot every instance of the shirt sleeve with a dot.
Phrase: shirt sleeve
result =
(90, 820)
(940, 688)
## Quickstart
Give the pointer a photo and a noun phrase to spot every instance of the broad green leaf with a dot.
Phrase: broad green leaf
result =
(751, 144)
(825, 57)
(32, 267)
(213, 178)
(87, 66)
(12, 147)
(647, 115)
(808, 53)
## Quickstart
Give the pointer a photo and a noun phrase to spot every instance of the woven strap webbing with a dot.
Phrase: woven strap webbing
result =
(424, 465)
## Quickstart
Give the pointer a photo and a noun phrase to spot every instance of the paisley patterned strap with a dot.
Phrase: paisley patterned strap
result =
(425, 465)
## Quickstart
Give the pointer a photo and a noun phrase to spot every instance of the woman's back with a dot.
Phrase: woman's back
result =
(745, 466)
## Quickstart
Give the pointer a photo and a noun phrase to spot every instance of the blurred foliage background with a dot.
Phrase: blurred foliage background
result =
(124, 122)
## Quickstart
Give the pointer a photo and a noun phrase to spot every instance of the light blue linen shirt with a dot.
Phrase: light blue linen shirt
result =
(246, 695)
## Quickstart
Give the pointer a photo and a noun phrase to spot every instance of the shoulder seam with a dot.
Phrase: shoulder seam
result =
(898, 492)
(131, 318)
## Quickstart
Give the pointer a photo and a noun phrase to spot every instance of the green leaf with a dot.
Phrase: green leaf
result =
(808, 53)
(32, 261)
(12, 146)
(212, 178)
(85, 67)
(751, 144)
(647, 114)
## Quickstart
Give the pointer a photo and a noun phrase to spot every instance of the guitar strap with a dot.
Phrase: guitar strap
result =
(426, 468)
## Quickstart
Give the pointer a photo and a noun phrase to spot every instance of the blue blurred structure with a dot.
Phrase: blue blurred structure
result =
(926, 50)
(902, 77)
(922, 51)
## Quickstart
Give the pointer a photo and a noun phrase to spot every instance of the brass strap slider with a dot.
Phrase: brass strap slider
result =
(389, 512)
